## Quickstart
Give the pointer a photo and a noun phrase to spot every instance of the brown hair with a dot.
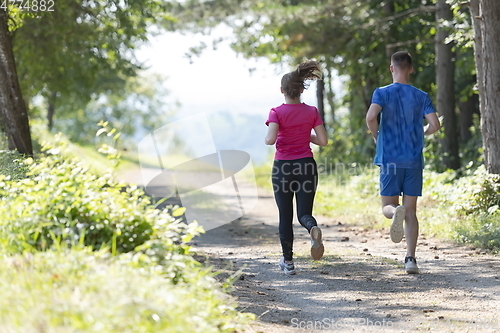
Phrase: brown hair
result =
(293, 83)
(401, 59)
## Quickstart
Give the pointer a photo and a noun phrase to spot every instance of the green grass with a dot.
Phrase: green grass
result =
(351, 200)
(347, 198)
(83, 291)
(136, 273)
(463, 209)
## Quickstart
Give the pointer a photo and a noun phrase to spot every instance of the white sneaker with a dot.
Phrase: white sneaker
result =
(317, 247)
(287, 268)
(411, 265)
(397, 229)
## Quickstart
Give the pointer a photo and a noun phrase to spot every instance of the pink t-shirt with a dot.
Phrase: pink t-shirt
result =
(295, 124)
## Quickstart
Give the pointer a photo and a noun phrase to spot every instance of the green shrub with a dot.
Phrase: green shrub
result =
(82, 291)
(61, 202)
(486, 196)
(82, 253)
(467, 206)
(480, 230)
(476, 192)
(11, 164)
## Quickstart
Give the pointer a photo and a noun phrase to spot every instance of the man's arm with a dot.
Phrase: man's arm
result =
(433, 124)
(272, 133)
(371, 119)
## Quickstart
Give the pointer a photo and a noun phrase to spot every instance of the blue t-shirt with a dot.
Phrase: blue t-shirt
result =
(400, 140)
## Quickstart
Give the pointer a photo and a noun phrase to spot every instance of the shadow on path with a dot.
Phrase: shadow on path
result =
(356, 285)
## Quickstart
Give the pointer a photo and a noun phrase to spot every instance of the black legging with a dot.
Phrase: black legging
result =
(289, 177)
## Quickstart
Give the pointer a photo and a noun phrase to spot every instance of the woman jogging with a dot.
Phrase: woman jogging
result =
(294, 171)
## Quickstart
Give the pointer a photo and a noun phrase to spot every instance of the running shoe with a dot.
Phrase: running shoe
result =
(397, 229)
(287, 268)
(411, 265)
(317, 248)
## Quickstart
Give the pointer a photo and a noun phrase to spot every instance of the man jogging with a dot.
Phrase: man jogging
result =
(399, 138)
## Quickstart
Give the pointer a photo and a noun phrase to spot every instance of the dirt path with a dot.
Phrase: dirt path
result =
(359, 285)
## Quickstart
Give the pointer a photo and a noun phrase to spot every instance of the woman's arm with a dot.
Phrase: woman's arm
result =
(272, 133)
(320, 137)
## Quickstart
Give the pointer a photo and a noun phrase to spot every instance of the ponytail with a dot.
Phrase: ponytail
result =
(293, 82)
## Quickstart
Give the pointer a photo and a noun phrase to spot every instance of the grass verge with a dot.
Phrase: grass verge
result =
(460, 207)
(80, 252)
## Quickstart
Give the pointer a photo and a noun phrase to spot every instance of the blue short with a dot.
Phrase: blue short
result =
(398, 181)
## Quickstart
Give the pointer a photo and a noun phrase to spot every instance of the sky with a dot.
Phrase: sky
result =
(218, 79)
(215, 84)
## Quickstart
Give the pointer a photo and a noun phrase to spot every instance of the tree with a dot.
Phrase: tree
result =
(486, 22)
(12, 107)
(355, 40)
(140, 106)
(83, 48)
(445, 82)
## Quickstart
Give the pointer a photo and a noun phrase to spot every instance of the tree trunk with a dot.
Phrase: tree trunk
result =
(330, 95)
(388, 7)
(320, 96)
(486, 18)
(467, 110)
(445, 81)
(14, 113)
(50, 110)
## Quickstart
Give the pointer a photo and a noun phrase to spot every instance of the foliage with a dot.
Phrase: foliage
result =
(82, 49)
(480, 230)
(110, 150)
(82, 253)
(353, 39)
(474, 193)
(11, 165)
(345, 147)
(467, 204)
(82, 291)
(484, 190)
(136, 108)
(60, 201)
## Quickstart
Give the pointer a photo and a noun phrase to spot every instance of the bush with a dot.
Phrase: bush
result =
(467, 206)
(82, 291)
(11, 164)
(476, 192)
(480, 230)
(61, 202)
(486, 196)
(82, 253)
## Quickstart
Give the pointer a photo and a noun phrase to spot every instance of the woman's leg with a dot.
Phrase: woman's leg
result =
(308, 180)
(307, 183)
(283, 194)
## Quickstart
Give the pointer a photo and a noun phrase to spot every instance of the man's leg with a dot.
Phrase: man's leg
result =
(392, 210)
(411, 224)
(389, 205)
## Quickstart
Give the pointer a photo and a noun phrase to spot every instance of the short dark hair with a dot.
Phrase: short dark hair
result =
(401, 59)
